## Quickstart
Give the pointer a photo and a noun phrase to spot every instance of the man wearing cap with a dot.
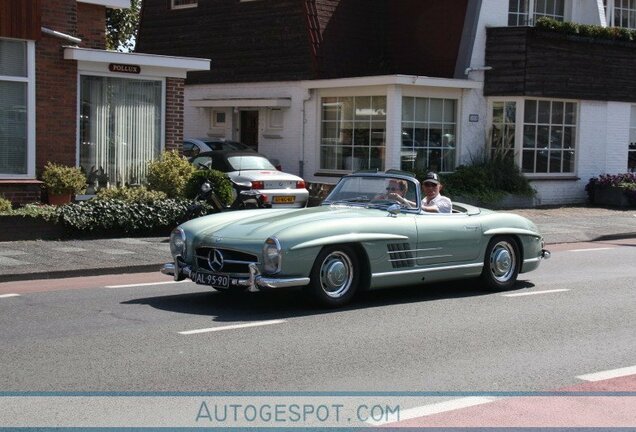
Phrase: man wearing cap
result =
(434, 201)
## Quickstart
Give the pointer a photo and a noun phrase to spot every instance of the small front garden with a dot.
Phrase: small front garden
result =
(616, 190)
(152, 209)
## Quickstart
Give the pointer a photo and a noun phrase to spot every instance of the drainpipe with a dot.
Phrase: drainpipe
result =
(301, 163)
(61, 35)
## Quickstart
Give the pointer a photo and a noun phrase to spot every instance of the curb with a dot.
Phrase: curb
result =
(60, 274)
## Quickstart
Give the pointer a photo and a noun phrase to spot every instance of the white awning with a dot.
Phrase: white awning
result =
(241, 102)
(144, 64)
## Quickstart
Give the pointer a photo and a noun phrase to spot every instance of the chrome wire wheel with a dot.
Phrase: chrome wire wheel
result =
(503, 262)
(336, 274)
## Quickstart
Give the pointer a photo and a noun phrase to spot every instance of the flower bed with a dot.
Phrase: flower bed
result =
(616, 190)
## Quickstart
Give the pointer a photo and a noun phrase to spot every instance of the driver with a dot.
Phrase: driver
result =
(395, 191)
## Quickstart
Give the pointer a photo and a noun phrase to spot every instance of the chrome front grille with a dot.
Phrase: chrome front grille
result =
(220, 260)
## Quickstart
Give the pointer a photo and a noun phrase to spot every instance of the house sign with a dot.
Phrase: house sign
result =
(117, 67)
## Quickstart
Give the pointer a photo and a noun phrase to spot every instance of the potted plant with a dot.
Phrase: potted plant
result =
(62, 182)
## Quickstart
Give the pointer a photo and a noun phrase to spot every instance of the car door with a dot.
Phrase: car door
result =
(447, 238)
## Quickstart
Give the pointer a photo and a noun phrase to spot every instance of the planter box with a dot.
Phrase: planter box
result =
(610, 196)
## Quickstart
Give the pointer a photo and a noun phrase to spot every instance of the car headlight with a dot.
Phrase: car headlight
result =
(271, 256)
(178, 242)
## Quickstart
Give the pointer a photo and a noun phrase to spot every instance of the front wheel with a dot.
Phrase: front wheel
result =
(501, 264)
(334, 276)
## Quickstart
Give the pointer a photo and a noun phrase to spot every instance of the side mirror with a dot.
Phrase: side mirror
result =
(394, 209)
(206, 187)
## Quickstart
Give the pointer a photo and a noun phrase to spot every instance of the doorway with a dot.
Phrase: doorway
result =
(249, 128)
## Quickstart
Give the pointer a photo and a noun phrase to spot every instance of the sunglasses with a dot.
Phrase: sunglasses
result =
(430, 184)
(392, 188)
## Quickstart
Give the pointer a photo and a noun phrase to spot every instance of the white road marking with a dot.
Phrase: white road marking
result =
(147, 284)
(435, 408)
(535, 292)
(9, 295)
(615, 373)
(232, 327)
(592, 249)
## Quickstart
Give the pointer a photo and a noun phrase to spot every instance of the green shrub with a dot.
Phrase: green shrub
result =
(47, 212)
(221, 184)
(169, 174)
(61, 179)
(5, 205)
(587, 30)
(131, 194)
(488, 181)
(110, 217)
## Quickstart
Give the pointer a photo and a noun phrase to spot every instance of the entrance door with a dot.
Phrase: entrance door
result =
(249, 128)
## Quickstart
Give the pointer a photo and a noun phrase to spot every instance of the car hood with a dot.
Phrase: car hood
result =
(257, 225)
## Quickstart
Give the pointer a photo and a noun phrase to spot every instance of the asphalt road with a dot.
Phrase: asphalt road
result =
(573, 316)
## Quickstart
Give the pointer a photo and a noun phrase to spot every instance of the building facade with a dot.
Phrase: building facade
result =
(332, 86)
(65, 99)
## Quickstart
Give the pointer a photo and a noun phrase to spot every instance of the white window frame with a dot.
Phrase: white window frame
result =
(631, 147)
(519, 126)
(531, 13)
(190, 4)
(30, 82)
(354, 95)
(610, 13)
(275, 118)
(215, 118)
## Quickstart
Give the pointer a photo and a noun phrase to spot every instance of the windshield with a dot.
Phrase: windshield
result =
(375, 192)
(240, 163)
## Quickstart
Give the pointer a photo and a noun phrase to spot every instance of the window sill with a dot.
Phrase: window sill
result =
(550, 178)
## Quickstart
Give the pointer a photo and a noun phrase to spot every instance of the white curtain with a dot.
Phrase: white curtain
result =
(121, 121)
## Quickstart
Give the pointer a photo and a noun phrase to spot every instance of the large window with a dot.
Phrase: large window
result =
(621, 13)
(631, 152)
(353, 133)
(120, 128)
(539, 134)
(526, 12)
(429, 128)
(16, 88)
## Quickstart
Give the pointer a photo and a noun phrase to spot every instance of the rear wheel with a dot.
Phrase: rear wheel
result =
(501, 263)
(335, 276)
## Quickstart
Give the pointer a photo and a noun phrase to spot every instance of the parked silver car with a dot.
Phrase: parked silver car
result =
(278, 188)
(194, 146)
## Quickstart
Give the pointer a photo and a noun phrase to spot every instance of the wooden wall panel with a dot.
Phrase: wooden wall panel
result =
(20, 19)
(534, 62)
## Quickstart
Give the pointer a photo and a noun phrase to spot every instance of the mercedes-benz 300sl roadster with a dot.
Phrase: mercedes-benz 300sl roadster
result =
(359, 238)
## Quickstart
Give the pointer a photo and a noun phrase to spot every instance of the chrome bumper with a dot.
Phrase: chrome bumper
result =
(255, 282)
(545, 254)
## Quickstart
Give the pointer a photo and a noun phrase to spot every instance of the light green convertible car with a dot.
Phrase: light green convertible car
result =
(358, 239)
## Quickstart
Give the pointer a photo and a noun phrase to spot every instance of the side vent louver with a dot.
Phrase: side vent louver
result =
(401, 255)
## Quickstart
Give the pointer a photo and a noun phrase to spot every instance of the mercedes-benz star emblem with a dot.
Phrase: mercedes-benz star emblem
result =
(215, 259)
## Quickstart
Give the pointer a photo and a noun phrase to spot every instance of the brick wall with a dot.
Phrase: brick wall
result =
(174, 113)
(56, 88)
(92, 25)
(21, 191)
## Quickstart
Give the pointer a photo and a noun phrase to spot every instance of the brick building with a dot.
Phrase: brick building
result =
(65, 99)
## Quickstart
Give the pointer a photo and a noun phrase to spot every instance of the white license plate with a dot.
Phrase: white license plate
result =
(214, 280)
(284, 199)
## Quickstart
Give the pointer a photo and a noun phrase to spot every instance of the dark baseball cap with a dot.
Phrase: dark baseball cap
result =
(431, 178)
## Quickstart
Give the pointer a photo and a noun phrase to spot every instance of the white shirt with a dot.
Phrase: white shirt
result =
(443, 204)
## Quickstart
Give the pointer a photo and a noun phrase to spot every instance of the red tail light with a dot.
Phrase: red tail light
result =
(258, 185)
(300, 184)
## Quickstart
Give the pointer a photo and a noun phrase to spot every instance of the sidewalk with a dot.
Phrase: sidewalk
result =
(25, 260)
